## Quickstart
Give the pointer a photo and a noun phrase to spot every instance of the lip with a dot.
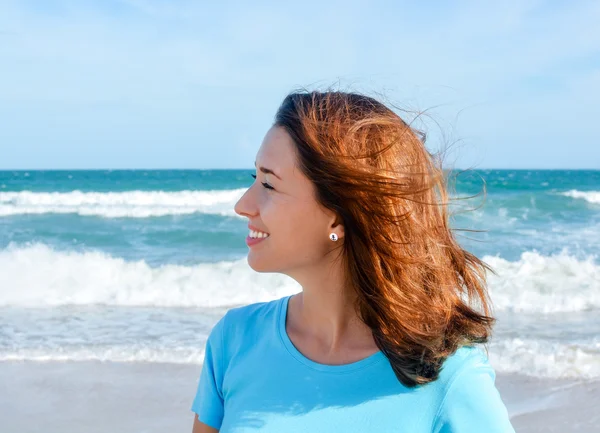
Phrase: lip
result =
(253, 241)
(256, 229)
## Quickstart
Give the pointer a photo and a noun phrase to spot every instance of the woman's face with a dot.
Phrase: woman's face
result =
(297, 225)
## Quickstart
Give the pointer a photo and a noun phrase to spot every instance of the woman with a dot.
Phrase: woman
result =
(350, 204)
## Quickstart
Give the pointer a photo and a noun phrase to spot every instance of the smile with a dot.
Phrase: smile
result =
(255, 234)
(255, 240)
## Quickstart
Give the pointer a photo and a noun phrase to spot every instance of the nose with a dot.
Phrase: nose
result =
(246, 205)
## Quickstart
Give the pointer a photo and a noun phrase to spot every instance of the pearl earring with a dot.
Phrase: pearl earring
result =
(333, 237)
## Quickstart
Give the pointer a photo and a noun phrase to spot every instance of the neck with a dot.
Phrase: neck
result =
(324, 310)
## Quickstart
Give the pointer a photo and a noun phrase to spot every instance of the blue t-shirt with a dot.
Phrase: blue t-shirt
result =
(254, 379)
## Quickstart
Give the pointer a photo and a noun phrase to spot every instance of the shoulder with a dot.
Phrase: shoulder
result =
(466, 359)
(471, 401)
(464, 371)
(239, 321)
(259, 310)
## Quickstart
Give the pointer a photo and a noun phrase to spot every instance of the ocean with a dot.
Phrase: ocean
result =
(136, 266)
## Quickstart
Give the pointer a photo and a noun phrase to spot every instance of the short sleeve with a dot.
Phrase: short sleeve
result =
(208, 403)
(472, 402)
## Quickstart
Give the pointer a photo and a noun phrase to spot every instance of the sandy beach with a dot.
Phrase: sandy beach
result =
(148, 397)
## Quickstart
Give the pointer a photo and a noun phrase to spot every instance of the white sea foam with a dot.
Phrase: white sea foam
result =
(535, 286)
(544, 358)
(590, 196)
(536, 283)
(182, 355)
(530, 357)
(37, 275)
(130, 204)
(40, 276)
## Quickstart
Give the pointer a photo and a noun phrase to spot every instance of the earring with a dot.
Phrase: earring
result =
(333, 237)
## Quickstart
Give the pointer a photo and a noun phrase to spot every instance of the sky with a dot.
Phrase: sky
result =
(190, 84)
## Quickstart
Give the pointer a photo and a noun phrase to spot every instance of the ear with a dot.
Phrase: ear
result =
(337, 227)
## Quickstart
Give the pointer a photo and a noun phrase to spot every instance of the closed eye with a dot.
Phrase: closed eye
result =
(266, 185)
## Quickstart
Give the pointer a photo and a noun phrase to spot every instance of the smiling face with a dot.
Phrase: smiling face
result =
(297, 225)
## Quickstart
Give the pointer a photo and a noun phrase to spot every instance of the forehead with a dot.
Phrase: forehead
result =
(277, 151)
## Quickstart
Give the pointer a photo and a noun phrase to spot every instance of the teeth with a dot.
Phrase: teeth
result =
(254, 234)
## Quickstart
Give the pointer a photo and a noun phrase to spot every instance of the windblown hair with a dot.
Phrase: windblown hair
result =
(422, 295)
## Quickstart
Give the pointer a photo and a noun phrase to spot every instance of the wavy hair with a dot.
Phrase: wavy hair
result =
(421, 294)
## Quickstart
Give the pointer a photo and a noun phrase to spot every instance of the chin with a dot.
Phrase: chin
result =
(257, 264)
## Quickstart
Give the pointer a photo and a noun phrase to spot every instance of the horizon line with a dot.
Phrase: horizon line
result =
(253, 169)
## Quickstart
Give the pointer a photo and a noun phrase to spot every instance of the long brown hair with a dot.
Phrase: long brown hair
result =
(415, 285)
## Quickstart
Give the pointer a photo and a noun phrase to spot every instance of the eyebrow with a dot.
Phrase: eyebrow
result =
(267, 171)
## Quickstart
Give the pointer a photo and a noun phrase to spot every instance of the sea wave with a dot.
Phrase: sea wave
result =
(37, 276)
(537, 358)
(589, 196)
(127, 204)
(183, 355)
(544, 284)
(546, 358)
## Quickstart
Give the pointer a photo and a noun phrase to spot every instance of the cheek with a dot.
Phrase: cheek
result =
(279, 219)
(298, 227)
(286, 222)
(296, 237)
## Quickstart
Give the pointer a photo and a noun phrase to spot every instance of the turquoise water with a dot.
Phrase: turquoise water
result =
(134, 264)
(137, 215)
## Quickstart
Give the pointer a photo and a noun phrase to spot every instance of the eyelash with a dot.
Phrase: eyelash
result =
(266, 185)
